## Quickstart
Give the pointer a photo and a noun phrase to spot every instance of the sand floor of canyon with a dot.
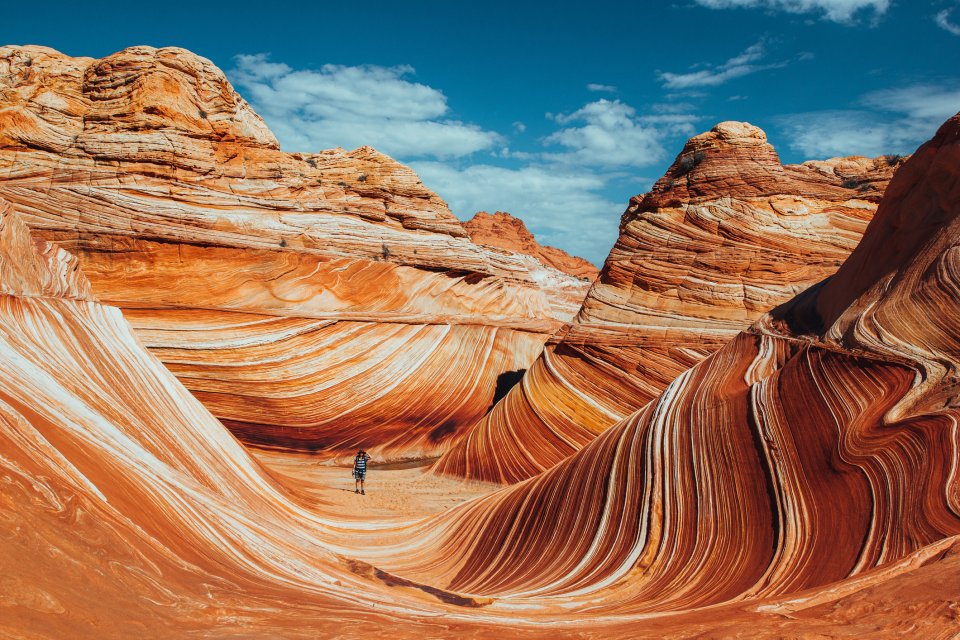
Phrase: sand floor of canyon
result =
(393, 492)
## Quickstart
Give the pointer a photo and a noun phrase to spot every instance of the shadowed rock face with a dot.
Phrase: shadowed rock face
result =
(725, 235)
(802, 479)
(815, 446)
(312, 301)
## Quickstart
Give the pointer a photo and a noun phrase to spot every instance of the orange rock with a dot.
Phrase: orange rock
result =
(280, 287)
(812, 459)
(503, 231)
(725, 235)
(801, 480)
(34, 268)
(125, 505)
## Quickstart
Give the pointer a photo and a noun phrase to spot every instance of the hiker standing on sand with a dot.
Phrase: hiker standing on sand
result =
(360, 470)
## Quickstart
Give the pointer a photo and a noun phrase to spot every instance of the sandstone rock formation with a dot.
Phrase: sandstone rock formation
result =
(549, 267)
(314, 301)
(816, 447)
(799, 480)
(503, 231)
(125, 507)
(725, 235)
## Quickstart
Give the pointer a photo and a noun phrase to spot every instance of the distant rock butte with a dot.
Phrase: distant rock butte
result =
(278, 287)
(503, 231)
(727, 234)
(565, 278)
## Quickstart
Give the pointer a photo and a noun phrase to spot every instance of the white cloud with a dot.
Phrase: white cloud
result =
(559, 194)
(562, 207)
(673, 107)
(888, 121)
(827, 134)
(607, 88)
(842, 11)
(712, 76)
(557, 187)
(926, 103)
(610, 133)
(943, 21)
(344, 106)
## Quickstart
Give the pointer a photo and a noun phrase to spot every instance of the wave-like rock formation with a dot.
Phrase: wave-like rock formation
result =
(311, 301)
(818, 445)
(728, 233)
(126, 508)
(800, 480)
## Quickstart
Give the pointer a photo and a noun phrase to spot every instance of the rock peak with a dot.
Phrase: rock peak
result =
(734, 130)
(63, 104)
(735, 159)
(505, 231)
(732, 136)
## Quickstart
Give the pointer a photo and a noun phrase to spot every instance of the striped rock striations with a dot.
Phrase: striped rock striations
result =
(311, 301)
(800, 480)
(814, 451)
(728, 233)
(126, 508)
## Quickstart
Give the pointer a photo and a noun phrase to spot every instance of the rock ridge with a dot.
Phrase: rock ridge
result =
(699, 258)
(504, 231)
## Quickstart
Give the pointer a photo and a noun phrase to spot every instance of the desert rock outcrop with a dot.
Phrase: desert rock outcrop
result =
(728, 233)
(502, 230)
(816, 447)
(564, 278)
(278, 287)
(801, 479)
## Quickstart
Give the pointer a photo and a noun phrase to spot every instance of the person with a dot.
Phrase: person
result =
(360, 471)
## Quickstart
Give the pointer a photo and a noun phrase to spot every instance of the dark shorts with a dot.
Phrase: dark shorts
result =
(359, 475)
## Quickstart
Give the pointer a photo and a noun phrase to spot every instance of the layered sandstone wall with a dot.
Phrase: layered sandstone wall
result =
(280, 287)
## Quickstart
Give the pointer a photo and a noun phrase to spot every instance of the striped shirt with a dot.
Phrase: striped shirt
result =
(360, 464)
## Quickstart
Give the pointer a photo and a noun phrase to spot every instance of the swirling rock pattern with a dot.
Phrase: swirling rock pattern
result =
(802, 479)
(725, 235)
(280, 287)
(818, 445)
(125, 507)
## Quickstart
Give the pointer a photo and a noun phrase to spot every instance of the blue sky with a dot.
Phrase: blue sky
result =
(555, 111)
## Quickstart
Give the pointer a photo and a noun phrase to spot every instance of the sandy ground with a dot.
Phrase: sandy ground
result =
(404, 492)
